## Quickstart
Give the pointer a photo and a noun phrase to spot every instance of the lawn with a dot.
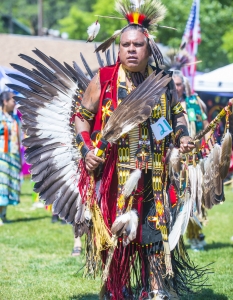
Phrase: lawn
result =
(36, 263)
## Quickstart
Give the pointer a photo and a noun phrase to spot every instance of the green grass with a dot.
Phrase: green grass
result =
(35, 260)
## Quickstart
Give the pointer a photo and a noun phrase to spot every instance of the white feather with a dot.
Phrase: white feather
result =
(176, 229)
(181, 222)
(93, 29)
(131, 228)
(131, 183)
(123, 219)
(188, 208)
(175, 159)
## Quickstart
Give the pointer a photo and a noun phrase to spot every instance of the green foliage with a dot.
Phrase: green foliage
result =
(76, 23)
(26, 11)
(228, 44)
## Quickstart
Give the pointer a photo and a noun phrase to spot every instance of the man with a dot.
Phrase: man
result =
(197, 121)
(144, 255)
(196, 108)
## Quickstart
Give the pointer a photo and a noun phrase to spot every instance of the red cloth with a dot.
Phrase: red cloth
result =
(108, 81)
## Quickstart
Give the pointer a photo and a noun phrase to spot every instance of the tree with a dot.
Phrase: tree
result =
(228, 44)
(215, 18)
(26, 11)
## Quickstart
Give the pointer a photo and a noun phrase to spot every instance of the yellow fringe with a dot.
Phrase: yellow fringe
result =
(193, 230)
(101, 233)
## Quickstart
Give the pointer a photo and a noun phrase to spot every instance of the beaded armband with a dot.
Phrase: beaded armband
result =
(83, 140)
(86, 114)
(178, 108)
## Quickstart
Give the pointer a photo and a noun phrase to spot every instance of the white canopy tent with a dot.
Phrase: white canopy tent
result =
(217, 81)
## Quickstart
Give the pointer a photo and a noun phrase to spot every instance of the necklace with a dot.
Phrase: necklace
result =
(135, 78)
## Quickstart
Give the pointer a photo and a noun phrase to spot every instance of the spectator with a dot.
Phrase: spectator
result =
(10, 161)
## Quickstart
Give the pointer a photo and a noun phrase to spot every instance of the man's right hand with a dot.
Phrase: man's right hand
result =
(92, 161)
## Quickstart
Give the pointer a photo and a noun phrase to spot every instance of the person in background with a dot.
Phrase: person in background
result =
(197, 120)
(10, 160)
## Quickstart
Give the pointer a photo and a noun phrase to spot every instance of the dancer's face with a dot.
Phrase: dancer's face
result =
(134, 51)
(10, 104)
(179, 86)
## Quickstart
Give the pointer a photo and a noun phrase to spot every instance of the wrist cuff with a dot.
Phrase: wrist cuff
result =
(84, 142)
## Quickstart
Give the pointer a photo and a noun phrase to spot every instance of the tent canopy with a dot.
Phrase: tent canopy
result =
(219, 80)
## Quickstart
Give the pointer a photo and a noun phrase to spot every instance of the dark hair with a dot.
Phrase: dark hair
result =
(5, 96)
(133, 27)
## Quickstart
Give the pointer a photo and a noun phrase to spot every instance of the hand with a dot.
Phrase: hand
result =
(186, 144)
(92, 161)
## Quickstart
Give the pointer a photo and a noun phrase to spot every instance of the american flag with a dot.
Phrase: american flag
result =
(192, 37)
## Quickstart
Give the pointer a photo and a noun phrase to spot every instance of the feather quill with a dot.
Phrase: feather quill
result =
(106, 44)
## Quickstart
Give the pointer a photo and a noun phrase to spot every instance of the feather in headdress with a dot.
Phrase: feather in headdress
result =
(93, 30)
(146, 13)
(106, 44)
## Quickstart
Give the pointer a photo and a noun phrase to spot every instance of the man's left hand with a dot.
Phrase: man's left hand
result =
(186, 144)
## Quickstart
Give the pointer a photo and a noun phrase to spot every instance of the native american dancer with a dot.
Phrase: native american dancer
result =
(131, 194)
(197, 120)
(10, 160)
(195, 108)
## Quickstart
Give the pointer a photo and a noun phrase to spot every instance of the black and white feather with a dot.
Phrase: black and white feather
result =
(54, 92)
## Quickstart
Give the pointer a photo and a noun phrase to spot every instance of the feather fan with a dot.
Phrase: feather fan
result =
(51, 148)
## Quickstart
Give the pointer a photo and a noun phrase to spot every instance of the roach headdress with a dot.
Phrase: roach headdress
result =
(145, 14)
